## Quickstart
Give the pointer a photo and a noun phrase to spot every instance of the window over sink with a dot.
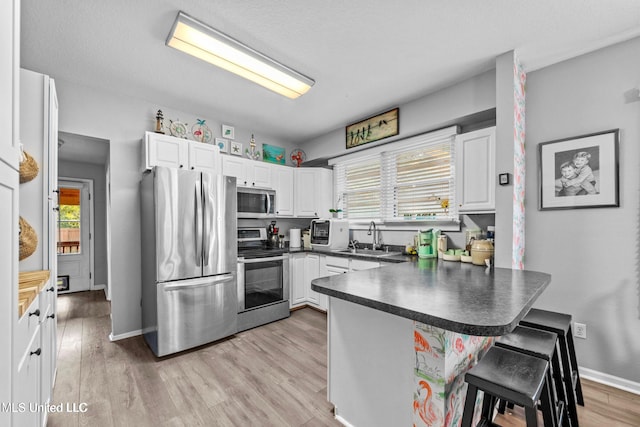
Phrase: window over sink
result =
(407, 181)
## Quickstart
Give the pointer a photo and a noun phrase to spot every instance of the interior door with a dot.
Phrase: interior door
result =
(73, 229)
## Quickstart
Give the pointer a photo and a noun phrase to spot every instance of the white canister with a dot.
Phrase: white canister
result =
(294, 238)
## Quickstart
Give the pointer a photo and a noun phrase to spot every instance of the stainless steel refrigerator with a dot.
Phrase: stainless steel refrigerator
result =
(189, 258)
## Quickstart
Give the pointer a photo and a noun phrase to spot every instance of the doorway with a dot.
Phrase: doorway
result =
(75, 235)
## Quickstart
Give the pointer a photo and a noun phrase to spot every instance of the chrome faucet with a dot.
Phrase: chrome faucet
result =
(375, 244)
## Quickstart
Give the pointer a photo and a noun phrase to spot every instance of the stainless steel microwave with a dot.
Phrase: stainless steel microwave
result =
(256, 202)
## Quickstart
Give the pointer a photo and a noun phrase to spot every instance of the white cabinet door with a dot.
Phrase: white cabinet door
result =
(282, 177)
(48, 344)
(9, 83)
(8, 279)
(312, 271)
(259, 174)
(313, 192)
(164, 150)
(476, 170)
(235, 166)
(296, 271)
(204, 157)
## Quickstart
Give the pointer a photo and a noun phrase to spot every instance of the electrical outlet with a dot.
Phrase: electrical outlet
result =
(580, 330)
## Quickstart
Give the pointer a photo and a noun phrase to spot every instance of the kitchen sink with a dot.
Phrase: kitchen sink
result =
(368, 252)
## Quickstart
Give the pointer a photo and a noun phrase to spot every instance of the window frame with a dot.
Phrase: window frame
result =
(387, 154)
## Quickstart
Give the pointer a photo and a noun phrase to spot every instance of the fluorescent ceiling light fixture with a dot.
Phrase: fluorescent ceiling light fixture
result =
(202, 41)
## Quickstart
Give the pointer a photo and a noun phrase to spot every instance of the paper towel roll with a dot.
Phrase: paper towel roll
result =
(294, 238)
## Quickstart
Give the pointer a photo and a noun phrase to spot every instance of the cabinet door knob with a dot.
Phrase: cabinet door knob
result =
(193, 167)
(57, 209)
(37, 352)
(51, 289)
(35, 313)
(51, 316)
(181, 166)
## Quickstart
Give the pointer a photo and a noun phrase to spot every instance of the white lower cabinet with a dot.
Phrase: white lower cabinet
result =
(26, 382)
(303, 269)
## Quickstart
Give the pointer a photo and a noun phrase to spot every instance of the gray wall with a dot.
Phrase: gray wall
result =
(122, 121)
(427, 113)
(592, 254)
(95, 172)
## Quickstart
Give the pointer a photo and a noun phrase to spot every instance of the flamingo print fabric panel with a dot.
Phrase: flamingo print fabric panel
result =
(519, 169)
(441, 359)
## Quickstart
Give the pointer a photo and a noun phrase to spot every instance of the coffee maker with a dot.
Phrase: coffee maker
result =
(428, 243)
(272, 235)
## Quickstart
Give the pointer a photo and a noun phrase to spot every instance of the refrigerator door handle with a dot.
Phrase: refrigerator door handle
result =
(205, 221)
(198, 222)
(199, 283)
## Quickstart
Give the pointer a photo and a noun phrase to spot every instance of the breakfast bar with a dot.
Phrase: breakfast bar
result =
(401, 337)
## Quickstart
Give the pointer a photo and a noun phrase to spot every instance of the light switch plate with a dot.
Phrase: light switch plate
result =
(503, 179)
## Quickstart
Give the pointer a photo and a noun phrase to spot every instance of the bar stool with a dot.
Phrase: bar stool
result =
(516, 377)
(560, 324)
(541, 344)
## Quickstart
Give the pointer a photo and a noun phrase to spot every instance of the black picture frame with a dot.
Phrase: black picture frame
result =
(579, 172)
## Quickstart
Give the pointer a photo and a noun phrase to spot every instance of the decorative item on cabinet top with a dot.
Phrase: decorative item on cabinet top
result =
(223, 144)
(28, 239)
(228, 132)
(28, 167)
(273, 154)
(159, 122)
(236, 148)
(178, 129)
(251, 152)
(201, 132)
(297, 157)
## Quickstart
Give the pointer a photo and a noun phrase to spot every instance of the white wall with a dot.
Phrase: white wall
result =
(123, 121)
(592, 254)
(95, 172)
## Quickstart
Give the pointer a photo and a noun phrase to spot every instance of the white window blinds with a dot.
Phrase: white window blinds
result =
(408, 180)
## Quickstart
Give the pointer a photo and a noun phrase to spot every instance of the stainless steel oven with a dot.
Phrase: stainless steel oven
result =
(263, 280)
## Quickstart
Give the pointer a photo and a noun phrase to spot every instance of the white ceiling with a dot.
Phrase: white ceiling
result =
(365, 55)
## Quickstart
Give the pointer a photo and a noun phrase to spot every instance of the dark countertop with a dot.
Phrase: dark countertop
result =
(459, 297)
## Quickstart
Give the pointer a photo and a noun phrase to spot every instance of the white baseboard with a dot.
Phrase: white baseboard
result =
(342, 421)
(125, 335)
(98, 287)
(610, 380)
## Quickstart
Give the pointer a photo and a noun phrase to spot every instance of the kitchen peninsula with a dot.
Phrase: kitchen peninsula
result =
(401, 337)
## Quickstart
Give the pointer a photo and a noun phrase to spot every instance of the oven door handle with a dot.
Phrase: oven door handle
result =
(258, 260)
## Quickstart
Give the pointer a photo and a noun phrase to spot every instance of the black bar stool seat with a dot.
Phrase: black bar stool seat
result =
(509, 375)
(541, 344)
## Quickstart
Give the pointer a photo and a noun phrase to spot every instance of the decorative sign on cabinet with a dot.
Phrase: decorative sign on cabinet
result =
(476, 171)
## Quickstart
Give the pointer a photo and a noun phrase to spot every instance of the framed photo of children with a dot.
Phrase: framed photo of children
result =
(579, 172)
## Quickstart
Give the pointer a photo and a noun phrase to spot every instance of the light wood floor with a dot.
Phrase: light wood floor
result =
(274, 375)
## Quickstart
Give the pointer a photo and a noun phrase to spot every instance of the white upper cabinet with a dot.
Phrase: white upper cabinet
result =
(313, 190)
(282, 179)
(172, 152)
(476, 171)
(249, 173)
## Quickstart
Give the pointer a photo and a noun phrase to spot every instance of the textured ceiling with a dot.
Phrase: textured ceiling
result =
(365, 56)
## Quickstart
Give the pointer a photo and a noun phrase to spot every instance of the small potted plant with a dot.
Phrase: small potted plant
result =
(336, 212)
